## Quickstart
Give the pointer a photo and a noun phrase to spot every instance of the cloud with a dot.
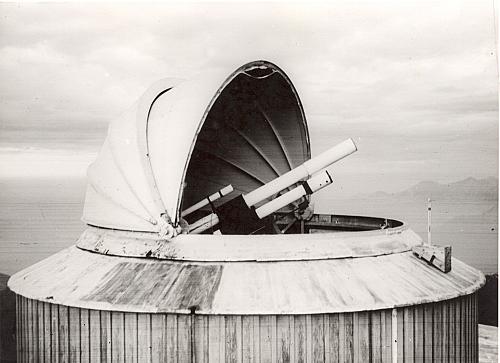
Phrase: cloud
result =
(37, 163)
(414, 80)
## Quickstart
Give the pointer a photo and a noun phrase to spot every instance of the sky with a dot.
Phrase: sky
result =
(413, 83)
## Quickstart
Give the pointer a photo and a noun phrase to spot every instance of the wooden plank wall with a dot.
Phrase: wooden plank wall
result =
(439, 332)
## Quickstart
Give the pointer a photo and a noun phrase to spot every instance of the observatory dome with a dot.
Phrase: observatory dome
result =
(141, 285)
(183, 140)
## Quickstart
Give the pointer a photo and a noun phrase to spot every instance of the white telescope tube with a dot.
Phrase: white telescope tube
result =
(316, 183)
(211, 198)
(204, 223)
(305, 170)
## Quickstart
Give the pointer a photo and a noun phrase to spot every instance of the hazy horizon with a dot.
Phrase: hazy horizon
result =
(414, 84)
(41, 217)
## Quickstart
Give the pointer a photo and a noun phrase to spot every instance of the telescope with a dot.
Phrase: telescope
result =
(241, 216)
(208, 200)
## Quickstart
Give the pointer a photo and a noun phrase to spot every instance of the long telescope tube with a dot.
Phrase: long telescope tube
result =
(314, 184)
(204, 223)
(305, 170)
(211, 198)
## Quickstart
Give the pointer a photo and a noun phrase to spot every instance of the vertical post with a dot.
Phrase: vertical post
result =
(429, 216)
(394, 331)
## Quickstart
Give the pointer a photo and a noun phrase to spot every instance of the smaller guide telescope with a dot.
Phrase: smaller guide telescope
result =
(240, 216)
(211, 198)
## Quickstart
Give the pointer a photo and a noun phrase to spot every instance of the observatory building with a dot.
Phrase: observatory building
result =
(201, 246)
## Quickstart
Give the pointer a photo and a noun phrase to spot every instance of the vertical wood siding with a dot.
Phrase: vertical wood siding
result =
(438, 332)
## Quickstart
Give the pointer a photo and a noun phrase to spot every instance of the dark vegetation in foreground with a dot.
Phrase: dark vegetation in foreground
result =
(7, 322)
(488, 301)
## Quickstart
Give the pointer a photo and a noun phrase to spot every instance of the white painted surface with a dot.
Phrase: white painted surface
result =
(315, 183)
(276, 247)
(137, 181)
(306, 170)
(211, 198)
(80, 278)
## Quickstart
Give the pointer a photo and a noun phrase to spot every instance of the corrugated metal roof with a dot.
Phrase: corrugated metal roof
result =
(75, 277)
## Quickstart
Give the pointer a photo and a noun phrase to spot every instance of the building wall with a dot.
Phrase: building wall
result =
(444, 331)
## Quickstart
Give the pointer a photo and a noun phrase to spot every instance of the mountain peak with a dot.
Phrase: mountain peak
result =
(466, 189)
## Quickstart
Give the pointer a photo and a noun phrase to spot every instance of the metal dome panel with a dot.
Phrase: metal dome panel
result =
(184, 140)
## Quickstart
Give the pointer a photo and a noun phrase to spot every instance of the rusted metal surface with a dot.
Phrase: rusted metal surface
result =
(342, 337)
(252, 247)
(75, 277)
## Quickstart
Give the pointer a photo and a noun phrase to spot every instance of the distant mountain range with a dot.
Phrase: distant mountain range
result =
(467, 189)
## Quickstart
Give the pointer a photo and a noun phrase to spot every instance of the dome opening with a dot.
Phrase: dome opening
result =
(254, 132)
(185, 141)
